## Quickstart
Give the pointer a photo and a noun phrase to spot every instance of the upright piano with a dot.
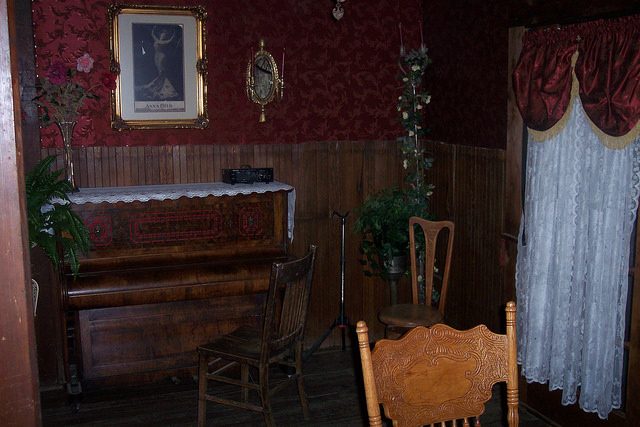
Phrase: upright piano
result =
(170, 267)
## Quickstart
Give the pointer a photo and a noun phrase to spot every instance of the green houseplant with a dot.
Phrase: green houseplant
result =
(383, 218)
(53, 226)
(383, 222)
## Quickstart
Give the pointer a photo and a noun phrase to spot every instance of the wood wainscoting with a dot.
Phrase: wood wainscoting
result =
(469, 190)
(338, 176)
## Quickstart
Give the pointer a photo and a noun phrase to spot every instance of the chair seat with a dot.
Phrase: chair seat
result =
(410, 315)
(241, 344)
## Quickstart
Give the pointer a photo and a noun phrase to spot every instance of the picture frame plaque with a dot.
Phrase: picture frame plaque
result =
(158, 54)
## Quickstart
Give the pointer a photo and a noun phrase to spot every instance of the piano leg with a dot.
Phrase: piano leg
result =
(72, 371)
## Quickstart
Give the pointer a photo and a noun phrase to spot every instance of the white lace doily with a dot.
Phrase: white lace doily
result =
(144, 193)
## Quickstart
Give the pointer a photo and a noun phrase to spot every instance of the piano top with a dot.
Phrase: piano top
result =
(144, 193)
(162, 243)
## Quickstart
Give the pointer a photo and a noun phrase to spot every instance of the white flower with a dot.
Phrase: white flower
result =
(405, 115)
(46, 208)
(400, 98)
(411, 133)
(415, 67)
(418, 127)
(419, 107)
(428, 100)
(405, 79)
(405, 163)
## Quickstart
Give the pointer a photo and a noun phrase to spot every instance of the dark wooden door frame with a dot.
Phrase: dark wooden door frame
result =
(19, 398)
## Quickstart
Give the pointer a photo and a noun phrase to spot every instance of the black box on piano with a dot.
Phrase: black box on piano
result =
(247, 175)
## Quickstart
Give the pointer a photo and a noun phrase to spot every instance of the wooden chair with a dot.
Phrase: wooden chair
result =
(439, 374)
(280, 338)
(404, 316)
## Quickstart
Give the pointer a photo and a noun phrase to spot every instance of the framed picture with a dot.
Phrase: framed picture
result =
(159, 56)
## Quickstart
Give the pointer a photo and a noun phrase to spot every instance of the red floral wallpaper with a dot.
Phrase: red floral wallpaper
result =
(340, 77)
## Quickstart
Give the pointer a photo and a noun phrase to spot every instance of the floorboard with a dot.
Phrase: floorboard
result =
(332, 381)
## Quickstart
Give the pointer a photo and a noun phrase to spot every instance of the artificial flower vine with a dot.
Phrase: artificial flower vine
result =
(411, 107)
(383, 217)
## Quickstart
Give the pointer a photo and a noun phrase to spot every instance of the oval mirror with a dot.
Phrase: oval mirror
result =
(263, 82)
(263, 77)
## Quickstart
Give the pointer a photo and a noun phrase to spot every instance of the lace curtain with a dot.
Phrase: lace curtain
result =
(573, 259)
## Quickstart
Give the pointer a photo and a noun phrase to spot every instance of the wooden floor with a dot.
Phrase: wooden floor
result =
(332, 381)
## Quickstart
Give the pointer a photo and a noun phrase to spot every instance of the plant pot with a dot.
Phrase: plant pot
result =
(394, 270)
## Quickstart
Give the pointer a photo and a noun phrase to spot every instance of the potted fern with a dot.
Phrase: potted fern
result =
(53, 226)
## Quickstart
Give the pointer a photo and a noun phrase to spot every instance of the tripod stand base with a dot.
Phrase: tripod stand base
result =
(339, 322)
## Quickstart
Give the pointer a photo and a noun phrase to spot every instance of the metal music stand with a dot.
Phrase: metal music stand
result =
(341, 321)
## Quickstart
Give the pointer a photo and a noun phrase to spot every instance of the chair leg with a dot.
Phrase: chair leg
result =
(304, 402)
(203, 366)
(244, 377)
(264, 396)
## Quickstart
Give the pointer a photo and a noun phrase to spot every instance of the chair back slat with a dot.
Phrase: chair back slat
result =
(287, 302)
(431, 231)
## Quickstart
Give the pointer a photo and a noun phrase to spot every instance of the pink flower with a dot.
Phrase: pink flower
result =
(84, 63)
(57, 73)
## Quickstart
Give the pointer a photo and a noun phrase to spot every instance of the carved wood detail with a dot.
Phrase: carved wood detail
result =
(439, 373)
(411, 370)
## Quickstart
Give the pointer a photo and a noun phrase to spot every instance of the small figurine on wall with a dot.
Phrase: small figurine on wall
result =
(338, 11)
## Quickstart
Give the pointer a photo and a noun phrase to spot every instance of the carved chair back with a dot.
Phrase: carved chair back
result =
(437, 374)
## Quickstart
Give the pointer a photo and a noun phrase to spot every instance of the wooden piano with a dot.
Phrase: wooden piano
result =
(170, 267)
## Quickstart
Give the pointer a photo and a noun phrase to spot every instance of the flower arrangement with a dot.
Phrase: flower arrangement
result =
(383, 219)
(61, 93)
(64, 89)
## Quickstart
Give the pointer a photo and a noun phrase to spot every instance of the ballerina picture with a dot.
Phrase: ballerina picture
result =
(159, 56)
(158, 60)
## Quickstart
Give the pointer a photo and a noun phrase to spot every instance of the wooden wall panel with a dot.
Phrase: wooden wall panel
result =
(513, 170)
(470, 191)
(338, 176)
(19, 398)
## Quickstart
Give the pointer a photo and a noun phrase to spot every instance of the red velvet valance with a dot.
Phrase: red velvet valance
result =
(607, 70)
